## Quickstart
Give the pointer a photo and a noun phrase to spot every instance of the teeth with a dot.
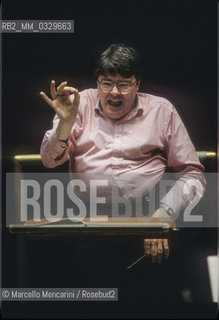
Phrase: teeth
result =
(115, 103)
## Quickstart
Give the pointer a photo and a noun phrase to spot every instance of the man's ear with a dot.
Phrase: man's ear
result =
(138, 84)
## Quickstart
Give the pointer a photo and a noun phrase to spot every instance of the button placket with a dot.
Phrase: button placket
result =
(116, 160)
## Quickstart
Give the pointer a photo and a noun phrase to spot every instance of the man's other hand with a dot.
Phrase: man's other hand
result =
(157, 249)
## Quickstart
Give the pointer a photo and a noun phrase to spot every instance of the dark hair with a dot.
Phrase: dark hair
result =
(121, 59)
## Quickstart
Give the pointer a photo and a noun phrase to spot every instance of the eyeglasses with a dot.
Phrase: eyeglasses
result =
(122, 85)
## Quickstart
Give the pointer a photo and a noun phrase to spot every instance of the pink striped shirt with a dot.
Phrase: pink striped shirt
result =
(143, 144)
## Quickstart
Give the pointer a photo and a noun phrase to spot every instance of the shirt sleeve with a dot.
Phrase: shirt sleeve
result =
(55, 152)
(182, 158)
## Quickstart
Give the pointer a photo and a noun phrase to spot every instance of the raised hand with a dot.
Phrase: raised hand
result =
(65, 101)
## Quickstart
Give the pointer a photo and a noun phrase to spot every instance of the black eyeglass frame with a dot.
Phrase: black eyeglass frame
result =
(129, 82)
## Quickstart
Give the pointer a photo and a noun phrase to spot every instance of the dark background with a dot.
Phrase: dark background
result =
(176, 40)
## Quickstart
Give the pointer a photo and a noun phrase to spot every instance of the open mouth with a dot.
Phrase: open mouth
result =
(115, 103)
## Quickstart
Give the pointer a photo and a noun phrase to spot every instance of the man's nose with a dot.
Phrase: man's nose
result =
(115, 90)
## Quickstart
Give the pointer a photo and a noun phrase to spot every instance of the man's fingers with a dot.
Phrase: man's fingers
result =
(159, 251)
(77, 97)
(60, 88)
(156, 248)
(47, 99)
(147, 247)
(74, 94)
(166, 248)
(69, 90)
(53, 89)
(154, 243)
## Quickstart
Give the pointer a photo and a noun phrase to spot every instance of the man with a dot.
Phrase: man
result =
(115, 130)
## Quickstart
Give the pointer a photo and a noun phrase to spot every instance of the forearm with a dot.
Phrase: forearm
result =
(63, 130)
